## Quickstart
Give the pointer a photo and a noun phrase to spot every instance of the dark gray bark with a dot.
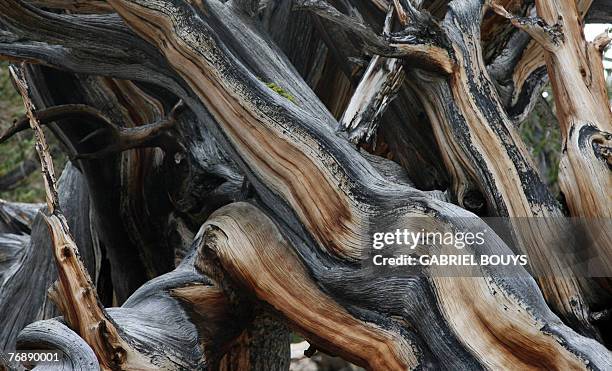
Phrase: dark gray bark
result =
(24, 284)
(279, 204)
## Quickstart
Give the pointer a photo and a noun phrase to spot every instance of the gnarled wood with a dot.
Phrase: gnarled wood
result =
(253, 251)
(375, 91)
(482, 145)
(260, 133)
(74, 292)
(584, 115)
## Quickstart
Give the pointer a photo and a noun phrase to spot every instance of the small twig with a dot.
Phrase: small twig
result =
(380, 4)
(47, 115)
(120, 139)
(602, 41)
(428, 53)
(42, 148)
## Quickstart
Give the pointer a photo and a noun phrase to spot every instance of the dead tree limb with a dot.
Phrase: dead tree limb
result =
(287, 204)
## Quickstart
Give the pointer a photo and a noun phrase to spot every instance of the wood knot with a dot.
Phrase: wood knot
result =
(86, 291)
(66, 252)
(474, 201)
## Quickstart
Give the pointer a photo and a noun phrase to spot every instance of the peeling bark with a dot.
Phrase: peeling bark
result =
(584, 116)
(249, 212)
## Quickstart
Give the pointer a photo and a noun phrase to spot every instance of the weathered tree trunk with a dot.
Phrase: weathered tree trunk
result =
(231, 162)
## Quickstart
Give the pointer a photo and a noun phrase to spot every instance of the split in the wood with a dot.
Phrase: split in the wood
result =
(376, 89)
(318, 184)
(427, 49)
(549, 36)
(585, 119)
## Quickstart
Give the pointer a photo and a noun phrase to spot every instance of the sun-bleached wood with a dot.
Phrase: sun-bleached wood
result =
(254, 126)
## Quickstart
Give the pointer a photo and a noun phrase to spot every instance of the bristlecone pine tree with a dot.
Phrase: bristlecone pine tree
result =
(230, 162)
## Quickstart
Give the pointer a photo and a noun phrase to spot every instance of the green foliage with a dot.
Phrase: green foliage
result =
(541, 133)
(18, 148)
(296, 338)
(10, 101)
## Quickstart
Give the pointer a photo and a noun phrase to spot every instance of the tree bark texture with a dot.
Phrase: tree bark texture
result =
(230, 162)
